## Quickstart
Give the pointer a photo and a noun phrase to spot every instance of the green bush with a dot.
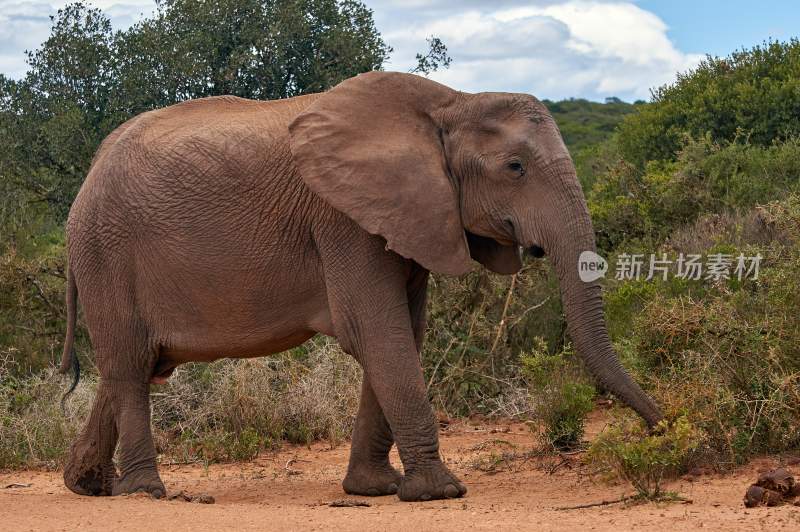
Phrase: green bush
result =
(627, 452)
(478, 326)
(562, 397)
(754, 92)
(628, 205)
(564, 415)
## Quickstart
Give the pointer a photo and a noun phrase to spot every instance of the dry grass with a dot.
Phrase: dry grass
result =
(33, 429)
(227, 410)
(231, 409)
(750, 228)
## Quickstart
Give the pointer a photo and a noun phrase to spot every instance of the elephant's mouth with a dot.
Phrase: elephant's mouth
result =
(536, 251)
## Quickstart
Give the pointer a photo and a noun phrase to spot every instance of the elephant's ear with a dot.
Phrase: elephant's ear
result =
(493, 255)
(372, 149)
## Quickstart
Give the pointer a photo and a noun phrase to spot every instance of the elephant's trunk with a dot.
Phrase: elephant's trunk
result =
(568, 233)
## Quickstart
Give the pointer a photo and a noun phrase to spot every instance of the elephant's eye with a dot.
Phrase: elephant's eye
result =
(517, 168)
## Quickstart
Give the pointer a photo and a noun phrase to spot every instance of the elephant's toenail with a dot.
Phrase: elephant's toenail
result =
(157, 493)
(391, 489)
(450, 491)
(425, 497)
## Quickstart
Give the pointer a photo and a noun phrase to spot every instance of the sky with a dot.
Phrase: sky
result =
(550, 48)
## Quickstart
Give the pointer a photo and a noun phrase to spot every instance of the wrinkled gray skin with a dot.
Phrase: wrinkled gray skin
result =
(226, 227)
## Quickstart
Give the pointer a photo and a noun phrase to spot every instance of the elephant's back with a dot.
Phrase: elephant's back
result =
(206, 143)
(193, 173)
(189, 131)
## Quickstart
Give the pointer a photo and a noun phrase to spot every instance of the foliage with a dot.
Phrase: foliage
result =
(699, 170)
(628, 205)
(33, 430)
(562, 399)
(32, 313)
(753, 93)
(729, 360)
(436, 57)
(249, 48)
(478, 326)
(626, 451)
(585, 124)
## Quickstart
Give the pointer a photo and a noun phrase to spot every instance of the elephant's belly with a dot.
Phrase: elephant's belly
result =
(172, 356)
(215, 349)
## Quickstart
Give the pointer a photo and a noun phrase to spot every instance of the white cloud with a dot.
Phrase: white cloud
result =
(24, 25)
(583, 48)
(550, 48)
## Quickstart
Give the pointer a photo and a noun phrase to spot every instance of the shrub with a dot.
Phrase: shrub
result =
(630, 205)
(725, 354)
(564, 415)
(755, 91)
(478, 325)
(32, 307)
(562, 399)
(33, 429)
(231, 409)
(627, 452)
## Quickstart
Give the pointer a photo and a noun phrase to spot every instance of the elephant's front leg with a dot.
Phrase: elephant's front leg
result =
(373, 322)
(369, 471)
(392, 365)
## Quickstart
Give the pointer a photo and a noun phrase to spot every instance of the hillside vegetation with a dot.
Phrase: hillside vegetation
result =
(584, 124)
(711, 166)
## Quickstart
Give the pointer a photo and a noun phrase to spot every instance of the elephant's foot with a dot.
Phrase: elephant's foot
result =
(142, 480)
(92, 480)
(371, 480)
(435, 482)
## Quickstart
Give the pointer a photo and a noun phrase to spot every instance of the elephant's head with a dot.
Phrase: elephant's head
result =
(446, 176)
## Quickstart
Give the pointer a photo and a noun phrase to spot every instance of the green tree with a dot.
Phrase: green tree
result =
(52, 120)
(250, 48)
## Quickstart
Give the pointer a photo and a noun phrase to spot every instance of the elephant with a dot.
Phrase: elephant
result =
(228, 227)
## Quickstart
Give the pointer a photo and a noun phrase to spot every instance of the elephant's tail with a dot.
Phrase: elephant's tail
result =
(69, 358)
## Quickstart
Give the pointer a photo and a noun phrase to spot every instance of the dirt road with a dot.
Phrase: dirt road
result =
(292, 490)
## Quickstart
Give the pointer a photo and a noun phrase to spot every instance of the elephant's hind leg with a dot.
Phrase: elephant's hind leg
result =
(369, 472)
(137, 453)
(90, 468)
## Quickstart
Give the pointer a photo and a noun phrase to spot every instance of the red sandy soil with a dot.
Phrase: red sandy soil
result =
(291, 490)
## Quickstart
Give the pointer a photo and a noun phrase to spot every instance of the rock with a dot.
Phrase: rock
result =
(773, 488)
(780, 480)
(758, 496)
